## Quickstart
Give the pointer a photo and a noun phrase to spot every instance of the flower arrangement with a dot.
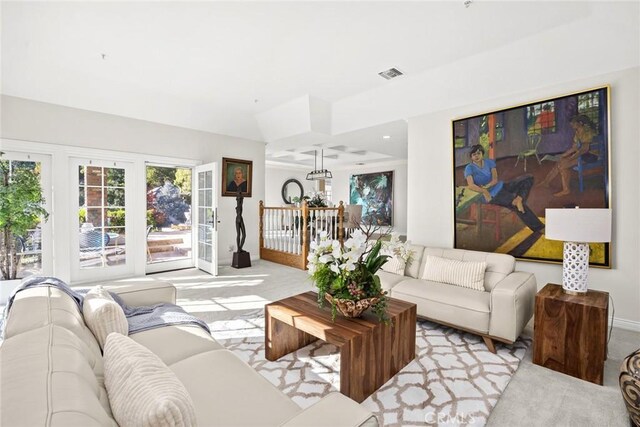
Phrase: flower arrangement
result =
(317, 199)
(348, 272)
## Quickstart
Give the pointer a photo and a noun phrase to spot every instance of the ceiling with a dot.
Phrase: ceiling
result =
(222, 66)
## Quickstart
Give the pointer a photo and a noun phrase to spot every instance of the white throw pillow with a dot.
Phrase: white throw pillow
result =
(142, 390)
(468, 274)
(103, 315)
(394, 265)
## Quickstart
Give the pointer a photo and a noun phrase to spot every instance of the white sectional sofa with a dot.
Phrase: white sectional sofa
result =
(499, 312)
(51, 370)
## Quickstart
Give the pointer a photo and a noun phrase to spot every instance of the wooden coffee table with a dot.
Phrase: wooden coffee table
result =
(370, 352)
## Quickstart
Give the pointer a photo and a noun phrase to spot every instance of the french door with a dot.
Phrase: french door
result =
(102, 226)
(206, 211)
(35, 245)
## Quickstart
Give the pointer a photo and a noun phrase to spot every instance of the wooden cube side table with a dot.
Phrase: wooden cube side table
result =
(570, 332)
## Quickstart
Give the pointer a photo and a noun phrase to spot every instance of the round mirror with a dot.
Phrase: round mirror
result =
(290, 189)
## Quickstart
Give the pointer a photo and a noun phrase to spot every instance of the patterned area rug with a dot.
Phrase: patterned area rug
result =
(454, 379)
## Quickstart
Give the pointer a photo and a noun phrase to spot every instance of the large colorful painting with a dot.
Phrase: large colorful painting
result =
(374, 192)
(510, 165)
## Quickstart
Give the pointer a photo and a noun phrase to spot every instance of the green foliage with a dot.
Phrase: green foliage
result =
(156, 176)
(21, 209)
(82, 215)
(359, 283)
(183, 181)
(116, 217)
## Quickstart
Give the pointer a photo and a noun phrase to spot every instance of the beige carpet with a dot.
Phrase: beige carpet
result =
(454, 378)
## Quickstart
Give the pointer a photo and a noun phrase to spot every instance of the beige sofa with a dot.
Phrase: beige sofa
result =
(51, 370)
(500, 312)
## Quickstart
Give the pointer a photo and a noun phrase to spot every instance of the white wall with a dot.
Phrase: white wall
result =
(430, 190)
(275, 176)
(340, 188)
(28, 120)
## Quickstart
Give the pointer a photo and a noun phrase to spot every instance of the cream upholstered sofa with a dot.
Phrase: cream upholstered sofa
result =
(51, 370)
(499, 312)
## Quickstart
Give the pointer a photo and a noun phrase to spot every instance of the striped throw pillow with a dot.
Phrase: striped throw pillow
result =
(142, 390)
(468, 274)
(394, 265)
(103, 315)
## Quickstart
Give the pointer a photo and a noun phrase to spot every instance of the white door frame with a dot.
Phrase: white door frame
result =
(111, 272)
(189, 262)
(45, 183)
(202, 264)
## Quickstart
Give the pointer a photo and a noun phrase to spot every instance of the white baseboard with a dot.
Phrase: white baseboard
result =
(629, 325)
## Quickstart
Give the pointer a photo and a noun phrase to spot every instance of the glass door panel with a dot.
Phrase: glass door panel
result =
(206, 202)
(169, 212)
(32, 245)
(102, 223)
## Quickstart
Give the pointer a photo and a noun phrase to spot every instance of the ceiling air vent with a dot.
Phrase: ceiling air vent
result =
(390, 73)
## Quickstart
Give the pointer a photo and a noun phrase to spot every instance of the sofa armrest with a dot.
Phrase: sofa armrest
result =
(143, 291)
(334, 410)
(512, 305)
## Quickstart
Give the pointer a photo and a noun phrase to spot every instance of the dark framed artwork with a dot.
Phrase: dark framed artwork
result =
(374, 192)
(512, 164)
(236, 175)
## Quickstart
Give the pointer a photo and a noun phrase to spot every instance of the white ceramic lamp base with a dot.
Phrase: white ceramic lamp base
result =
(575, 267)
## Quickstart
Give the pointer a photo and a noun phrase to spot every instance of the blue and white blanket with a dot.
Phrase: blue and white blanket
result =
(139, 318)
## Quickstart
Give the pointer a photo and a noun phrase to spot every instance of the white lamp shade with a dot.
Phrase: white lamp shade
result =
(353, 216)
(578, 225)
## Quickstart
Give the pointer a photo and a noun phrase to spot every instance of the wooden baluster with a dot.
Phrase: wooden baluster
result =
(272, 242)
(261, 232)
(290, 231)
(280, 224)
(304, 231)
(340, 222)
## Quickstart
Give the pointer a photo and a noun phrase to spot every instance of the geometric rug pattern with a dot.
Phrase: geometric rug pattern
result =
(454, 379)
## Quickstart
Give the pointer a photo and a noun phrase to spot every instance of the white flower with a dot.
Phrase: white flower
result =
(325, 259)
(334, 268)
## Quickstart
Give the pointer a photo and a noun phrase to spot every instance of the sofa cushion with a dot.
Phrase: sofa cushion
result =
(395, 265)
(468, 274)
(228, 392)
(47, 378)
(412, 268)
(498, 265)
(389, 280)
(44, 305)
(454, 305)
(142, 390)
(186, 341)
(103, 315)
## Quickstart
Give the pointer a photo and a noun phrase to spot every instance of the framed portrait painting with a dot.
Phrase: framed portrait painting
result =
(512, 164)
(374, 192)
(237, 175)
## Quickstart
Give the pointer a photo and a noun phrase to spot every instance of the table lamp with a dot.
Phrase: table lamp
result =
(577, 228)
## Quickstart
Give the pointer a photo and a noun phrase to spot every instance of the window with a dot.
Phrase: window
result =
(541, 118)
(460, 134)
(589, 105)
(101, 216)
(495, 123)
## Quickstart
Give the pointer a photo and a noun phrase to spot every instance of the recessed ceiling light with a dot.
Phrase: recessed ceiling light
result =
(391, 73)
(386, 137)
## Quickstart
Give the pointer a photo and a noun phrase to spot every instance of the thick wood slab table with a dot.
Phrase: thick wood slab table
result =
(370, 352)
(570, 332)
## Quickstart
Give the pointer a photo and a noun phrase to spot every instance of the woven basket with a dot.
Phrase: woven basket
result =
(350, 308)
